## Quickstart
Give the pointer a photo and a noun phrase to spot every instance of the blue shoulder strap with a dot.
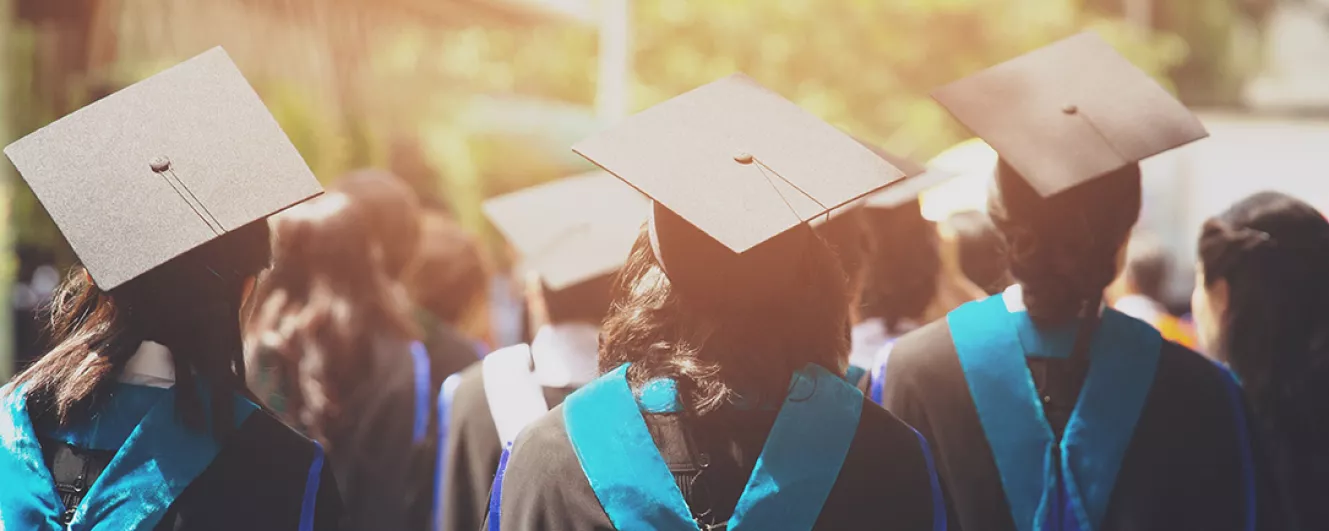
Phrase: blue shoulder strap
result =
(29, 499)
(877, 379)
(619, 457)
(803, 454)
(445, 396)
(1124, 356)
(793, 475)
(854, 374)
(496, 491)
(423, 391)
(313, 481)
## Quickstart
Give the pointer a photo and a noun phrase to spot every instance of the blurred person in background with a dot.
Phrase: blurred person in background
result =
(448, 283)
(138, 417)
(329, 346)
(572, 235)
(1261, 303)
(980, 249)
(723, 403)
(1138, 291)
(1047, 410)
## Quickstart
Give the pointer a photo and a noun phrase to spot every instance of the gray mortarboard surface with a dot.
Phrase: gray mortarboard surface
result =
(738, 161)
(571, 230)
(918, 179)
(1069, 112)
(161, 167)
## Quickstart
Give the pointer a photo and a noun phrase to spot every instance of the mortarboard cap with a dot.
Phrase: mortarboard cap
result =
(738, 162)
(162, 167)
(730, 166)
(1070, 112)
(571, 230)
(918, 179)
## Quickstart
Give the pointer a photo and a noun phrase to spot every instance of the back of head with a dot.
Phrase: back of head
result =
(392, 212)
(1063, 249)
(319, 313)
(1147, 266)
(191, 305)
(584, 302)
(904, 265)
(450, 275)
(718, 350)
(982, 252)
(1273, 252)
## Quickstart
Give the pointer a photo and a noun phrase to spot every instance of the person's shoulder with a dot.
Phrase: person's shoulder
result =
(470, 384)
(264, 432)
(879, 427)
(546, 435)
(919, 351)
(1176, 360)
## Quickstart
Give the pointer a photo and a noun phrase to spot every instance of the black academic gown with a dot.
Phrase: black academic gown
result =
(882, 485)
(258, 482)
(1182, 468)
(474, 450)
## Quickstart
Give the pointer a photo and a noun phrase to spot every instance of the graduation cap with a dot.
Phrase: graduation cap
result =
(918, 179)
(162, 167)
(733, 169)
(571, 230)
(1070, 112)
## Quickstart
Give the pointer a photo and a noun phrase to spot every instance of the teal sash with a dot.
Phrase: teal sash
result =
(159, 457)
(793, 475)
(991, 344)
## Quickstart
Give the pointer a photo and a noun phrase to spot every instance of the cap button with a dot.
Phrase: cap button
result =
(1070, 109)
(160, 164)
(743, 158)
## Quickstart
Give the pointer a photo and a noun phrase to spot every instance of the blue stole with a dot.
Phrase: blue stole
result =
(792, 478)
(1072, 493)
(158, 457)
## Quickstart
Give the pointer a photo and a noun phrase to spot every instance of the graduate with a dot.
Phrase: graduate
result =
(573, 235)
(980, 251)
(139, 416)
(330, 343)
(723, 404)
(448, 283)
(1045, 410)
(906, 283)
(1261, 301)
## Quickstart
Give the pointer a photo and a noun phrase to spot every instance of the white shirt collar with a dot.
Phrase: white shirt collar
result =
(566, 354)
(1014, 299)
(1140, 307)
(866, 338)
(150, 366)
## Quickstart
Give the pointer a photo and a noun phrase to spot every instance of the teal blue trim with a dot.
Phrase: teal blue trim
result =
(991, 344)
(659, 396)
(803, 453)
(620, 460)
(854, 374)
(124, 408)
(28, 499)
(157, 460)
(792, 478)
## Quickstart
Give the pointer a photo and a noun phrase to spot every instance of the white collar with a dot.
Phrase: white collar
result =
(866, 338)
(150, 366)
(1140, 307)
(566, 354)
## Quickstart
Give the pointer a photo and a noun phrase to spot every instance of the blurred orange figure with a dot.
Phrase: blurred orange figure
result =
(1137, 291)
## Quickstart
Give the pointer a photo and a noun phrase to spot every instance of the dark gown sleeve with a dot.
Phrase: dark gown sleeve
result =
(925, 388)
(473, 452)
(544, 488)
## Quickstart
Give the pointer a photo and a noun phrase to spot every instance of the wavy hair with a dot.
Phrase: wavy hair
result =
(715, 355)
(324, 304)
(1273, 252)
(191, 304)
(1063, 249)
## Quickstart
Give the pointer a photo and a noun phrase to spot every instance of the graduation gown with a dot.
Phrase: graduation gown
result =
(1184, 462)
(150, 472)
(880, 479)
(473, 446)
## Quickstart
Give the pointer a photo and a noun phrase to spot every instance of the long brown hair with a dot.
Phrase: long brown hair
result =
(318, 311)
(191, 305)
(1063, 249)
(716, 355)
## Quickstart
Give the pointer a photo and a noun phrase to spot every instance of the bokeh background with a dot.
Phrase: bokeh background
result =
(467, 99)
